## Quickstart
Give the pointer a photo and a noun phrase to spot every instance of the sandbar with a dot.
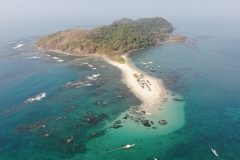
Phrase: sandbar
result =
(149, 97)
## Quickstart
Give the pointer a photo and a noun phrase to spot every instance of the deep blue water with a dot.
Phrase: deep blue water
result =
(203, 70)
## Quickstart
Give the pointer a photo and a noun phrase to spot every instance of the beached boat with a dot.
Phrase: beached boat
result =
(214, 152)
(128, 146)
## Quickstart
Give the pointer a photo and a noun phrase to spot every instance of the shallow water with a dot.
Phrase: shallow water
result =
(203, 71)
(63, 111)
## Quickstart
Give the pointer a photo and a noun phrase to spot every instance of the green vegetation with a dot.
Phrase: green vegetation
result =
(135, 75)
(113, 40)
(121, 60)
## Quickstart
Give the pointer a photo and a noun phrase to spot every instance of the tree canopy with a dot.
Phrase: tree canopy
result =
(121, 36)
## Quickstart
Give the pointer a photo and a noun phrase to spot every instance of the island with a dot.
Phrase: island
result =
(112, 42)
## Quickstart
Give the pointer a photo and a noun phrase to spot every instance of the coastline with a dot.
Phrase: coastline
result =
(149, 98)
(158, 103)
(99, 54)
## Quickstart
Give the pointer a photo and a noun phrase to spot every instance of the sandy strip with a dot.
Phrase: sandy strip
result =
(149, 98)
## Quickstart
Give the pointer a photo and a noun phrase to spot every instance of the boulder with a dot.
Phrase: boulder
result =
(163, 122)
(146, 123)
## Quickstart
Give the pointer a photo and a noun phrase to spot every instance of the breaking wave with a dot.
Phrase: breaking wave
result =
(38, 97)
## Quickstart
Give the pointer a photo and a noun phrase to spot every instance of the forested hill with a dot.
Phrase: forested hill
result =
(121, 36)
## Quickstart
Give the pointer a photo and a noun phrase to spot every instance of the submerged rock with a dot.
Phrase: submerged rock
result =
(120, 95)
(146, 123)
(125, 117)
(70, 108)
(94, 118)
(96, 134)
(118, 122)
(163, 122)
(178, 99)
(39, 125)
(48, 134)
(69, 140)
(116, 126)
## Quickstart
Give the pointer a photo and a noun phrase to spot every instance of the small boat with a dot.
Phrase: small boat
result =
(152, 69)
(148, 113)
(214, 152)
(128, 146)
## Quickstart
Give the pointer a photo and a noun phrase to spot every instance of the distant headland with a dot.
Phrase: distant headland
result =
(112, 41)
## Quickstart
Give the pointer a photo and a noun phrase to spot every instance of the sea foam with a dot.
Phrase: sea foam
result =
(60, 60)
(55, 58)
(18, 45)
(38, 97)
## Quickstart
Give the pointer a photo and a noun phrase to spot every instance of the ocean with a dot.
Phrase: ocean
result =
(74, 118)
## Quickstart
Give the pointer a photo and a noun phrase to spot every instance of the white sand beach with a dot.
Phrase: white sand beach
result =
(158, 102)
(148, 97)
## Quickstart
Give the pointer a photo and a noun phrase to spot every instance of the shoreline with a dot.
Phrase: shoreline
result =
(102, 55)
(158, 104)
(149, 98)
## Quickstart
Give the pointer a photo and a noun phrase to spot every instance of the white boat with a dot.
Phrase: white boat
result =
(148, 113)
(214, 152)
(128, 146)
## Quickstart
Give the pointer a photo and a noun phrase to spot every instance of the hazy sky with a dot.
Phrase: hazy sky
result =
(28, 9)
(20, 18)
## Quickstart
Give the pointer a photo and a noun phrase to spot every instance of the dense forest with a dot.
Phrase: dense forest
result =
(121, 36)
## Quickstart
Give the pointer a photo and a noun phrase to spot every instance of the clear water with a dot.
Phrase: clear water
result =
(203, 71)
(23, 76)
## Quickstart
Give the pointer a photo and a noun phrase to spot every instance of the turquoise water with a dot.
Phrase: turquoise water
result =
(203, 70)
(63, 111)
